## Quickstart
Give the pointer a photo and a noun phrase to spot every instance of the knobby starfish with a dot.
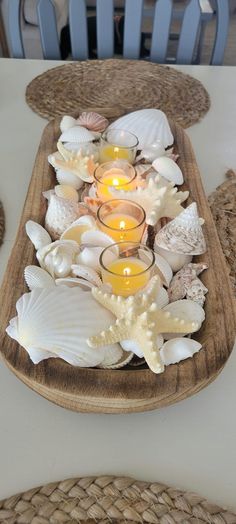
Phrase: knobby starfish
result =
(157, 198)
(139, 319)
(73, 162)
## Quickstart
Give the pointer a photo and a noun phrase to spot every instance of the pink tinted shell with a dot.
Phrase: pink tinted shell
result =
(93, 121)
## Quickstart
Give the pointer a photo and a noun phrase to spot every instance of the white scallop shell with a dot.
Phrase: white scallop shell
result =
(167, 168)
(88, 273)
(149, 125)
(61, 213)
(37, 234)
(36, 277)
(187, 310)
(64, 177)
(92, 121)
(77, 134)
(162, 298)
(67, 122)
(183, 234)
(176, 261)
(164, 269)
(124, 360)
(73, 281)
(178, 349)
(66, 191)
(57, 258)
(56, 322)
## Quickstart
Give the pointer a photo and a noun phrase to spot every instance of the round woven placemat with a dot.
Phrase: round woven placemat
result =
(109, 500)
(2, 223)
(223, 207)
(118, 86)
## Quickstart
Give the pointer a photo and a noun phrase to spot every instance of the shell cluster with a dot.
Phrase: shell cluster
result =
(69, 313)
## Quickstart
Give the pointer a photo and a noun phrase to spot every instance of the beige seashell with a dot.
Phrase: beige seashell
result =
(77, 134)
(36, 277)
(175, 260)
(67, 122)
(98, 238)
(168, 169)
(182, 281)
(72, 282)
(178, 349)
(184, 234)
(197, 291)
(57, 258)
(92, 121)
(66, 178)
(67, 192)
(187, 310)
(61, 213)
(78, 227)
(149, 125)
(56, 322)
(164, 269)
(88, 273)
(37, 234)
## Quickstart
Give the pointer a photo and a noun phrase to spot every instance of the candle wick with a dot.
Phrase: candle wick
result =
(122, 224)
(126, 271)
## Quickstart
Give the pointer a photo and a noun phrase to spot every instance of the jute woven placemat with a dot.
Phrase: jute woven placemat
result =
(2, 223)
(120, 86)
(109, 500)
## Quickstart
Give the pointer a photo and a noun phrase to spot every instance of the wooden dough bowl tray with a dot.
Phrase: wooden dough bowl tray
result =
(128, 389)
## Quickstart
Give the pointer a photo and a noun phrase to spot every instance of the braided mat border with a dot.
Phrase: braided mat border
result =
(2, 223)
(110, 499)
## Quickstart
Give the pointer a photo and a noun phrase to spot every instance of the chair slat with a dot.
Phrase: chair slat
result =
(189, 32)
(132, 28)
(78, 29)
(222, 26)
(161, 30)
(15, 29)
(105, 29)
(48, 30)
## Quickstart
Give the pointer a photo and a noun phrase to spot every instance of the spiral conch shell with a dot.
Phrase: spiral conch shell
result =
(92, 121)
(58, 257)
(56, 322)
(61, 213)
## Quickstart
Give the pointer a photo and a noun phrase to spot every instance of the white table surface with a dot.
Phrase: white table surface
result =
(190, 445)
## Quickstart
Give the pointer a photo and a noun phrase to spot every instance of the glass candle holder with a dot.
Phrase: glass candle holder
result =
(128, 272)
(122, 220)
(118, 174)
(118, 144)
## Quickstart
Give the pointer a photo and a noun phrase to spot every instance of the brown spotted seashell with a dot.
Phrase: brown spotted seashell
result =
(93, 121)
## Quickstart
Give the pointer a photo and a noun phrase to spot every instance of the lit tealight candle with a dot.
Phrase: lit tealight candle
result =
(118, 175)
(122, 220)
(118, 144)
(126, 274)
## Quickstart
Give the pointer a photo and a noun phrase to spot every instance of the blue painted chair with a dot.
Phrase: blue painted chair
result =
(134, 12)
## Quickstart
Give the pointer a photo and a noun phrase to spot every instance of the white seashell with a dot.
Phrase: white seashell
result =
(58, 257)
(164, 269)
(183, 234)
(56, 322)
(77, 134)
(88, 273)
(197, 291)
(67, 192)
(187, 310)
(178, 349)
(183, 281)
(37, 234)
(98, 238)
(175, 260)
(162, 298)
(36, 277)
(90, 256)
(92, 121)
(64, 177)
(152, 151)
(72, 282)
(124, 360)
(67, 122)
(149, 125)
(167, 168)
(61, 213)
(73, 162)
(78, 227)
(133, 347)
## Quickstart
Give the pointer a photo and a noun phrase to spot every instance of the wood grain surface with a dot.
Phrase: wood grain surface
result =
(126, 390)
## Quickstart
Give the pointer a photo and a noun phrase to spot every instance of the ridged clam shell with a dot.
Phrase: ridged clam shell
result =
(61, 213)
(124, 360)
(187, 310)
(149, 125)
(67, 122)
(58, 257)
(56, 322)
(183, 234)
(162, 298)
(37, 234)
(77, 134)
(92, 121)
(36, 277)
(164, 270)
(67, 192)
(178, 349)
(72, 282)
(64, 177)
(88, 273)
(168, 169)
(175, 260)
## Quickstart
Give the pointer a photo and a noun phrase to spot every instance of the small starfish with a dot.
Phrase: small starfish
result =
(139, 319)
(158, 200)
(73, 162)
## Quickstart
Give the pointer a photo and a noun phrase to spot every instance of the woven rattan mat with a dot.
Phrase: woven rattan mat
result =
(110, 500)
(223, 207)
(2, 223)
(118, 86)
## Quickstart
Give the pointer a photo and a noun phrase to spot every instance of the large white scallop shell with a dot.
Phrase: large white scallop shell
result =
(178, 349)
(92, 121)
(37, 234)
(175, 260)
(67, 122)
(57, 258)
(66, 178)
(56, 322)
(77, 134)
(88, 273)
(167, 168)
(61, 213)
(183, 234)
(36, 277)
(149, 125)
(73, 281)
(187, 310)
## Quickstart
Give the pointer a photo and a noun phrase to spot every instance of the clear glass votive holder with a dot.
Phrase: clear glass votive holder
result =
(117, 174)
(123, 220)
(130, 270)
(118, 144)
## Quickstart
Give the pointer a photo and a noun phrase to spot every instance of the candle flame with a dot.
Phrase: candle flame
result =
(122, 224)
(116, 149)
(115, 182)
(127, 271)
